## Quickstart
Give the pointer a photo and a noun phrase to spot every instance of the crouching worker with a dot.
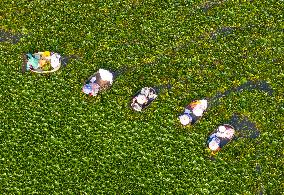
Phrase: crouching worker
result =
(143, 98)
(41, 62)
(99, 81)
(220, 137)
(193, 112)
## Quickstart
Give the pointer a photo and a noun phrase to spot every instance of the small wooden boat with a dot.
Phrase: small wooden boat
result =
(101, 80)
(143, 98)
(220, 137)
(193, 112)
(41, 62)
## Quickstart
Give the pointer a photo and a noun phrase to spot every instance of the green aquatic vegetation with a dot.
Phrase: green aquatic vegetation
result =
(54, 139)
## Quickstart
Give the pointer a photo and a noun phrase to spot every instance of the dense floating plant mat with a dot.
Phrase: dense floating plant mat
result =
(56, 140)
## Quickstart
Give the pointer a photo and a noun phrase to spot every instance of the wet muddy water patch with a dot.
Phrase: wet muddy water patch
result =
(6, 36)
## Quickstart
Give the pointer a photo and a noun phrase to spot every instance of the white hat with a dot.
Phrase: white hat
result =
(55, 60)
(213, 145)
(106, 75)
(197, 111)
(221, 129)
(185, 119)
(141, 99)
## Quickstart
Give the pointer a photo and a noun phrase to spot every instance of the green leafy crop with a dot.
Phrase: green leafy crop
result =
(55, 140)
